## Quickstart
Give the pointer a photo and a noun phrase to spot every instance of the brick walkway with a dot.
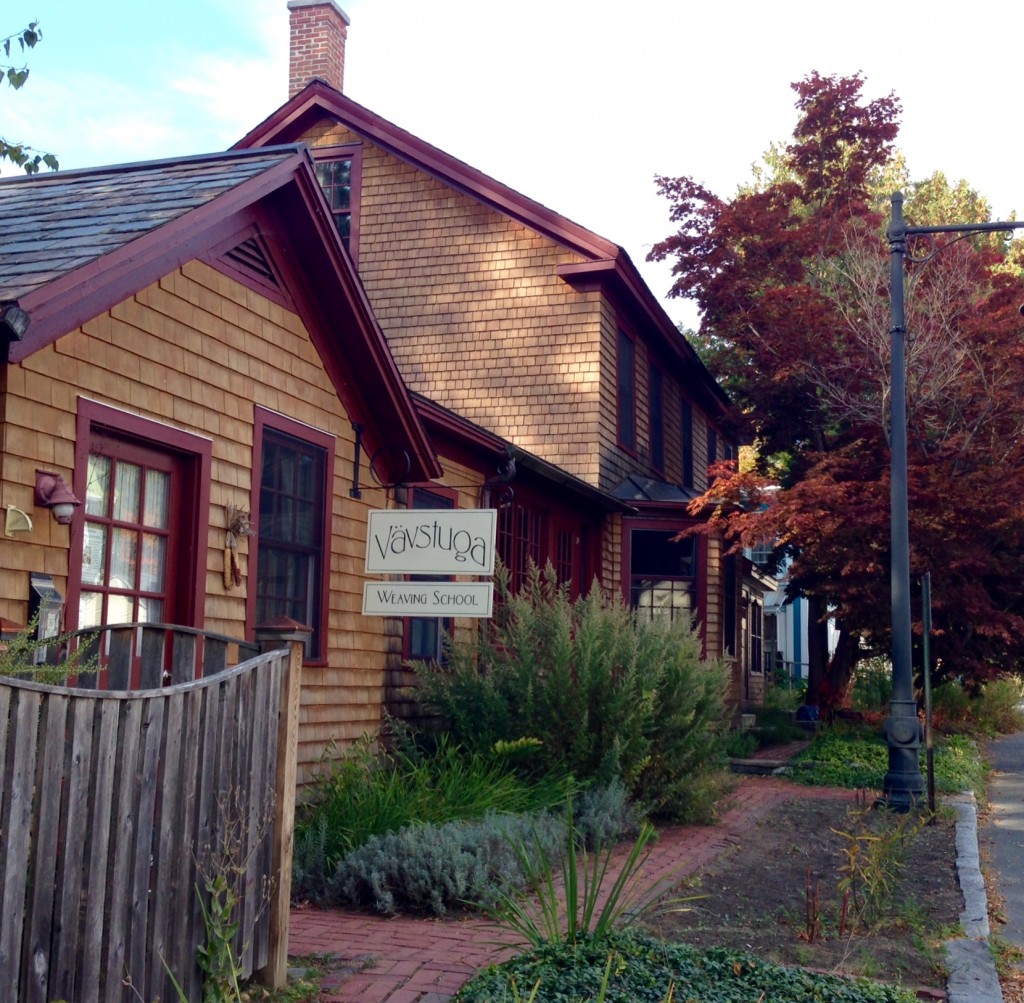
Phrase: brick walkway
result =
(426, 961)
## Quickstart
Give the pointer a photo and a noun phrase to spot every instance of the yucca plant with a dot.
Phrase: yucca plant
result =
(569, 898)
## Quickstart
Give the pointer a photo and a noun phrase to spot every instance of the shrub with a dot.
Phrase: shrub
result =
(741, 744)
(998, 707)
(607, 696)
(368, 791)
(775, 727)
(872, 684)
(434, 868)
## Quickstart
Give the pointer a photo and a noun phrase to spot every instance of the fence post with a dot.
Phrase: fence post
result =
(283, 632)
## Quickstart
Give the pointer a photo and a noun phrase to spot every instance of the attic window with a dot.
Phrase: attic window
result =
(338, 169)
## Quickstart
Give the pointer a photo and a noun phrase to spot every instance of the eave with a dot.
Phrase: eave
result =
(286, 203)
(318, 99)
(476, 443)
(618, 279)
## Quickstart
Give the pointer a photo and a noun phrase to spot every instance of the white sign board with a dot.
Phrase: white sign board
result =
(428, 599)
(431, 541)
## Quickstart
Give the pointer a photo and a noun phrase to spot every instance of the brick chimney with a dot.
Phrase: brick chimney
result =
(318, 32)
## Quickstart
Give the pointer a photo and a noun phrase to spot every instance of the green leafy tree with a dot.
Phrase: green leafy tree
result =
(22, 155)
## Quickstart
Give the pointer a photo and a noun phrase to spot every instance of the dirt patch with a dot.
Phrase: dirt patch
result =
(778, 895)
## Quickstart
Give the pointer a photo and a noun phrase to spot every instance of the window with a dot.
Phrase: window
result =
(338, 169)
(129, 554)
(687, 436)
(662, 573)
(424, 634)
(521, 534)
(626, 401)
(138, 541)
(656, 418)
(294, 468)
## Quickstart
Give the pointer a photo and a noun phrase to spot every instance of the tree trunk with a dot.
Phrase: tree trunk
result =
(817, 649)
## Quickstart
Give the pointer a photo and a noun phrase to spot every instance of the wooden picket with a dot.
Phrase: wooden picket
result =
(115, 806)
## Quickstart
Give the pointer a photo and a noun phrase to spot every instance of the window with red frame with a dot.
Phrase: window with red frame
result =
(521, 539)
(338, 170)
(291, 532)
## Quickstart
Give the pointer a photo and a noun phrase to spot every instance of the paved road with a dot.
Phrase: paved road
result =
(1004, 834)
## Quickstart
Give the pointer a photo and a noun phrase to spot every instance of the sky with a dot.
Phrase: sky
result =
(578, 104)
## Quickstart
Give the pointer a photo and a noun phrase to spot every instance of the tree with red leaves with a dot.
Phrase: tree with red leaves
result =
(791, 277)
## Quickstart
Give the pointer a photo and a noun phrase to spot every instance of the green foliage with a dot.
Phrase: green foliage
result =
(872, 684)
(741, 744)
(17, 657)
(434, 868)
(859, 758)
(607, 695)
(776, 727)
(995, 710)
(570, 898)
(368, 791)
(646, 970)
(781, 695)
(23, 156)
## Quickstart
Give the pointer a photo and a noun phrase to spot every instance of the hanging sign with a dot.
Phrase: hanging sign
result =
(428, 599)
(431, 541)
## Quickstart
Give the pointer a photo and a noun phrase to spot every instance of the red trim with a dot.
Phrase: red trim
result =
(353, 152)
(195, 451)
(318, 99)
(264, 418)
(287, 207)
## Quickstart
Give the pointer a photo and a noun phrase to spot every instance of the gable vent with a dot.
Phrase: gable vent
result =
(251, 258)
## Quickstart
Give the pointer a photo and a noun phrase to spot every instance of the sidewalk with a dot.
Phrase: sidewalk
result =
(426, 961)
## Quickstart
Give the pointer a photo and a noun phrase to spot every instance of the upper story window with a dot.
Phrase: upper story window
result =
(626, 400)
(339, 170)
(656, 418)
(687, 446)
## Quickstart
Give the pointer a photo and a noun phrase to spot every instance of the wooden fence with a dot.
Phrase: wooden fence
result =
(117, 807)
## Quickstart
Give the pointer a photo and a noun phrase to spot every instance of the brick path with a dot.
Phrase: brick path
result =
(426, 961)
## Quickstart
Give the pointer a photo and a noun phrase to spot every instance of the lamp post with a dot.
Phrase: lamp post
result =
(903, 785)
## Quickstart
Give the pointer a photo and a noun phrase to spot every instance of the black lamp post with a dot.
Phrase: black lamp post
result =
(903, 785)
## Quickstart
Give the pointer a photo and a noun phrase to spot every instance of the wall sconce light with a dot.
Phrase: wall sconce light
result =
(52, 492)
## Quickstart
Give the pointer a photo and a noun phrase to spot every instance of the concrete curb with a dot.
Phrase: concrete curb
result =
(972, 971)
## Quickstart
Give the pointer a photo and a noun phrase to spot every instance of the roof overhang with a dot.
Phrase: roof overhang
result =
(287, 205)
(478, 444)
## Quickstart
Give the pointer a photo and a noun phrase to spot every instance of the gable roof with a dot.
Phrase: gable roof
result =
(75, 243)
(607, 264)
